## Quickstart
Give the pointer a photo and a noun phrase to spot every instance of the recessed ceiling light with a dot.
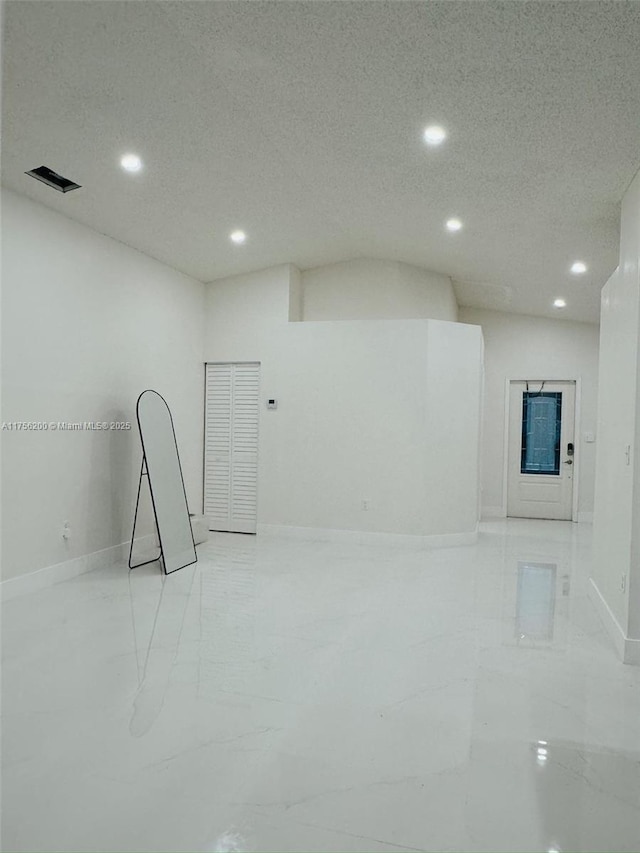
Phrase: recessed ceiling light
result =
(560, 303)
(578, 268)
(454, 224)
(131, 163)
(435, 135)
(238, 237)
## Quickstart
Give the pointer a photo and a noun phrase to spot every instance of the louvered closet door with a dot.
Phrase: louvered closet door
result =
(231, 446)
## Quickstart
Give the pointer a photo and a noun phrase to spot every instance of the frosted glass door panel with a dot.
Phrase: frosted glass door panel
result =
(541, 425)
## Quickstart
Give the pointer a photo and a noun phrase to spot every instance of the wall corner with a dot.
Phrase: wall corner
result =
(295, 294)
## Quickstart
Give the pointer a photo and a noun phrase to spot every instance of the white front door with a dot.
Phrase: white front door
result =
(541, 455)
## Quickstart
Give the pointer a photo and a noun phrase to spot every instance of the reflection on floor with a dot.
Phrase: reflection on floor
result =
(288, 695)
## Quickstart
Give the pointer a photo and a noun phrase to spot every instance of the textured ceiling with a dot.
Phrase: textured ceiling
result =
(301, 123)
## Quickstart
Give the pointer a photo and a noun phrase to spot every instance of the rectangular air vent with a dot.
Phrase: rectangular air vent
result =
(53, 179)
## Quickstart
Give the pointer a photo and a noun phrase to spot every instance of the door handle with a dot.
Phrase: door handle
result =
(568, 461)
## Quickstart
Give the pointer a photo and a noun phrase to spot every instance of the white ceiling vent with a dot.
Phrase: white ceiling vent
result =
(53, 179)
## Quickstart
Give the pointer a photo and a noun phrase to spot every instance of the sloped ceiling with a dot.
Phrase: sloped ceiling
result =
(301, 123)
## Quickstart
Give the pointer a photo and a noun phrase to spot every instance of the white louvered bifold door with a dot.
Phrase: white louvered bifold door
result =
(231, 446)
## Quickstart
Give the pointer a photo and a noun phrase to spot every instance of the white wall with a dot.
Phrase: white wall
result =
(383, 411)
(521, 347)
(372, 289)
(87, 324)
(616, 548)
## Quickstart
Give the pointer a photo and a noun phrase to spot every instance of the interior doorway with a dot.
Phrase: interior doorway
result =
(541, 449)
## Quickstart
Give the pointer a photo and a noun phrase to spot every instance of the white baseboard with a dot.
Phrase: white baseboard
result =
(321, 534)
(44, 578)
(494, 512)
(628, 649)
(585, 518)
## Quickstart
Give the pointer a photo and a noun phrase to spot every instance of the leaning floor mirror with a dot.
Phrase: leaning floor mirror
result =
(163, 473)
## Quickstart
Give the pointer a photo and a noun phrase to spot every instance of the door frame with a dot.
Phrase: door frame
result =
(577, 442)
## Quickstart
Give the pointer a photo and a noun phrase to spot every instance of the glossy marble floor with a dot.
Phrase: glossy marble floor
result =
(312, 696)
